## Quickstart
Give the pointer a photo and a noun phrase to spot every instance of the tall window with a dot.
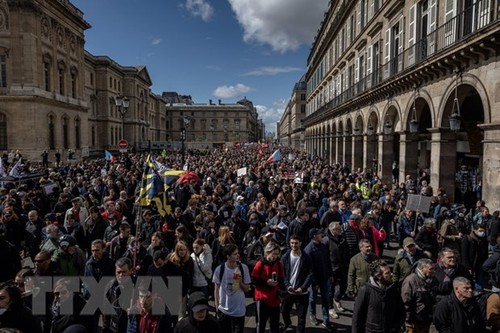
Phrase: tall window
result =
(3, 71)
(112, 136)
(93, 136)
(46, 75)
(77, 133)
(52, 133)
(60, 73)
(73, 84)
(3, 131)
(65, 131)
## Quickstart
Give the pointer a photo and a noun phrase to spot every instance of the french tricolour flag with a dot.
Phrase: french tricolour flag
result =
(275, 157)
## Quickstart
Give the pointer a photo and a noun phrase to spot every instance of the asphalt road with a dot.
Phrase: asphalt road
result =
(342, 324)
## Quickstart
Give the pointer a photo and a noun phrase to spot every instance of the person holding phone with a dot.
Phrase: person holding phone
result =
(267, 276)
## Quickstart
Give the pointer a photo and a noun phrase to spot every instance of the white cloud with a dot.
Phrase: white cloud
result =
(271, 115)
(271, 71)
(282, 24)
(156, 41)
(201, 8)
(231, 91)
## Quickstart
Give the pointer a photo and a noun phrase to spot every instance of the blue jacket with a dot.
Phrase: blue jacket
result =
(320, 258)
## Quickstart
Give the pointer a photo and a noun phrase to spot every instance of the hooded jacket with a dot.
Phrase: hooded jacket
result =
(190, 325)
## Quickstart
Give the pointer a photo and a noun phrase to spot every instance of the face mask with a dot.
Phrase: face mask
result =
(2, 311)
(480, 234)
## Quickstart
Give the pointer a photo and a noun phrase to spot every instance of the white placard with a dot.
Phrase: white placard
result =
(241, 172)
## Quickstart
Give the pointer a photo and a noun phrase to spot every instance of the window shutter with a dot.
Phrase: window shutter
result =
(356, 70)
(450, 27)
(431, 39)
(387, 54)
(412, 30)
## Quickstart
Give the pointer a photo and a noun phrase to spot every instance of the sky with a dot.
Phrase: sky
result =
(210, 49)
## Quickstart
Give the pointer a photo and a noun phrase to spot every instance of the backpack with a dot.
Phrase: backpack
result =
(482, 300)
(223, 268)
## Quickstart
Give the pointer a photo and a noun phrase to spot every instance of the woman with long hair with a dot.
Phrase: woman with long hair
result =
(202, 274)
(181, 258)
(225, 238)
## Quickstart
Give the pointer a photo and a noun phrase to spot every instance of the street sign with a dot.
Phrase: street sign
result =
(123, 144)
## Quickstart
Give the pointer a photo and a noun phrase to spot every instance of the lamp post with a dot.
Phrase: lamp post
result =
(122, 104)
(185, 122)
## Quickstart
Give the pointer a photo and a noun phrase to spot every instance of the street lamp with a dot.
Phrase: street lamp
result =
(122, 104)
(414, 121)
(455, 117)
(186, 122)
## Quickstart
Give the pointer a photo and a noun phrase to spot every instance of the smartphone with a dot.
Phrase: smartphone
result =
(275, 278)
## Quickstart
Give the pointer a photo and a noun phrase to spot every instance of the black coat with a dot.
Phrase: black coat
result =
(451, 316)
(378, 310)
(474, 251)
(446, 279)
(190, 325)
(304, 277)
(339, 254)
(22, 319)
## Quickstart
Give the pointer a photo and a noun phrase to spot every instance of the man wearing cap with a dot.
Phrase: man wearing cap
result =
(322, 276)
(280, 223)
(299, 226)
(405, 259)
(256, 248)
(352, 234)
(241, 207)
(199, 320)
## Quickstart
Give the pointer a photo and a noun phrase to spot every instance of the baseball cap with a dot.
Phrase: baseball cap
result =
(408, 241)
(314, 231)
(199, 307)
(283, 207)
(240, 197)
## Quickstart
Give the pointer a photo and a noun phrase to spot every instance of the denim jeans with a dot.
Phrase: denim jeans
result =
(324, 289)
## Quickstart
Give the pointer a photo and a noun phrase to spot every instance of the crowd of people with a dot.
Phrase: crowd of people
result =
(287, 233)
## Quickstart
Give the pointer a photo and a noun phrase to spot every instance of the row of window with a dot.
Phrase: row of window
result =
(365, 69)
(62, 74)
(65, 132)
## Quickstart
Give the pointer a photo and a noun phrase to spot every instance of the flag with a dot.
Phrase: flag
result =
(275, 157)
(109, 156)
(2, 168)
(164, 153)
(16, 170)
(153, 189)
(186, 166)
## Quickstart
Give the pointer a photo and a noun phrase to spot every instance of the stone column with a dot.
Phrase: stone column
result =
(348, 151)
(358, 152)
(443, 160)
(385, 157)
(338, 143)
(332, 148)
(369, 150)
(491, 165)
(408, 155)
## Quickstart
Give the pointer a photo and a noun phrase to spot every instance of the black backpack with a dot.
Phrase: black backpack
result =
(223, 268)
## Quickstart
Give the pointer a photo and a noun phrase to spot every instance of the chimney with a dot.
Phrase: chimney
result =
(209, 102)
(220, 102)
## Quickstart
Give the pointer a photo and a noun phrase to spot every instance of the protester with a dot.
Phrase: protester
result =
(267, 276)
(297, 280)
(459, 312)
(378, 307)
(199, 319)
(232, 280)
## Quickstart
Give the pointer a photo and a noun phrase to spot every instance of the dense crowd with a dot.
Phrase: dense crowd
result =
(285, 233)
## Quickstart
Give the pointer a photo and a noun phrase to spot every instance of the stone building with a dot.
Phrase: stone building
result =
(42, 65)
(212, 124)
(289, 128)
(387, 80)
(54, 95)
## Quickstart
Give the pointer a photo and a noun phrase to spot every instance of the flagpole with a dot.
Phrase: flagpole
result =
(138, 219)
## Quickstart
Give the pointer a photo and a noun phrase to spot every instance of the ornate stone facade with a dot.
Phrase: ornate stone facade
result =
(385, 78)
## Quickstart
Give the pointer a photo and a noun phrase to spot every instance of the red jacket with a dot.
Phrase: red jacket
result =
(262, 271)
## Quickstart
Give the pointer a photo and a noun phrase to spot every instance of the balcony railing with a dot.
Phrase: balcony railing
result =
(476, 17)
